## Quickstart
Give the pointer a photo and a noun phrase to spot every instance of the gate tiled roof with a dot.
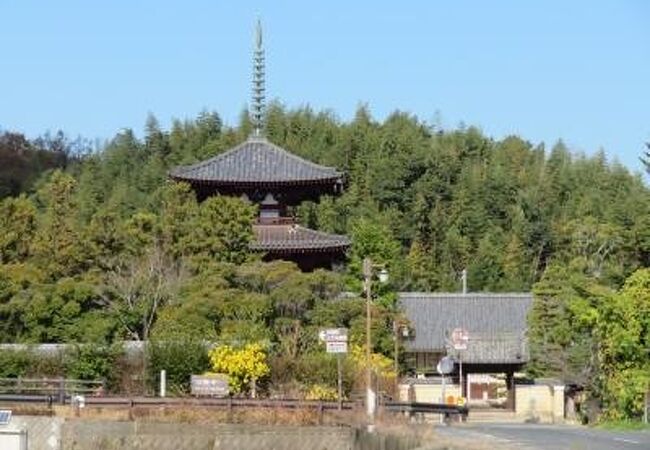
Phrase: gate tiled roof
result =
(496, 324)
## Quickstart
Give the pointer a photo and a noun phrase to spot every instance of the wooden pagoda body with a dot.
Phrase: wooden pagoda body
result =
(274, 179)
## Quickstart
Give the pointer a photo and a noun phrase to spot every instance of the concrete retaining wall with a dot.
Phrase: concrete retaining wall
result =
(55, 433)
(539, 403)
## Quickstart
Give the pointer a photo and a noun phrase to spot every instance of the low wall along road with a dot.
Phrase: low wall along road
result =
(56, 433)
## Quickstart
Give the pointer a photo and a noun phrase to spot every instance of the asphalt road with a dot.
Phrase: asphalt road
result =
(549, 437)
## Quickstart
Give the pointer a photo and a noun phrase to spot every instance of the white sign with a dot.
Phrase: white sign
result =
(212, 385)
(336, 346)
(334, 335)
(459, 338)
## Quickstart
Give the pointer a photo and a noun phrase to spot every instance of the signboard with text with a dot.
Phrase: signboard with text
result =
(336, 347)
(333, 334)
(212, 385)
(336, 340)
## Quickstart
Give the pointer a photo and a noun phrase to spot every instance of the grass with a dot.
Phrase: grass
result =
(624, 425)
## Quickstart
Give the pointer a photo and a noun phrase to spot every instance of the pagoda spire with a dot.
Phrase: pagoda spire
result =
(258, 98)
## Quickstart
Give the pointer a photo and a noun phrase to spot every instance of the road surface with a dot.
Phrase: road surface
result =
(548, 437)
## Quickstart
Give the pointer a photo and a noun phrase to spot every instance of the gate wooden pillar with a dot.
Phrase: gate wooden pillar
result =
(512, 392)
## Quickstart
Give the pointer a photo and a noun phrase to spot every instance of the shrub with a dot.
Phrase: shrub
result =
(28, 363)
(180, 359)
(14, 363)
(320, 392)
(93, 362)
(320, 369)
(241, 365)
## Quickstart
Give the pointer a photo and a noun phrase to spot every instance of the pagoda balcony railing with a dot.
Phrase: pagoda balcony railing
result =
(276, 221)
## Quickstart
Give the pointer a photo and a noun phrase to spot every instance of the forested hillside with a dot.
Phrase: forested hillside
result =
(447, 200)
(107, 248)
(23, 161)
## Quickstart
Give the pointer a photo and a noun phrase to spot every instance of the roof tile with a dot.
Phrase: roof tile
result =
(294, 237)
(496, 324)
(256, 161)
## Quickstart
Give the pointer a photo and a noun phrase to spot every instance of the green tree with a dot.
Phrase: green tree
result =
(624, 327)
(562, 327)
(18, 223)
(178, 216)
(223, 230)
(57, 245)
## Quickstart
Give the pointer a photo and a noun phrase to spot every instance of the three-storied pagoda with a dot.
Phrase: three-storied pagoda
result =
(274, 179)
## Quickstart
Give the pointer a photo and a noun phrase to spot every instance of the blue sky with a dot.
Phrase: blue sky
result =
(576, 70)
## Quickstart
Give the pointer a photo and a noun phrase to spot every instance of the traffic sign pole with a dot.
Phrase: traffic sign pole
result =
(336, 341)
(460, 373)
(442, 415)
(340, 380)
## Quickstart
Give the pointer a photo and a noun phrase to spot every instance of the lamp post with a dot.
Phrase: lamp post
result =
(371, 397)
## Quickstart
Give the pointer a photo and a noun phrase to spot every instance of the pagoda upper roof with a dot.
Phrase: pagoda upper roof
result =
(257, 161)
(293, 238)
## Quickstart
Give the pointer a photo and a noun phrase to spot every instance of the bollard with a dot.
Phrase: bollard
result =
(62, 391)
(163, 383)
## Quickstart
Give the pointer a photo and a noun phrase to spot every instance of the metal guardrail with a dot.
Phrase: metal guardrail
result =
(228, 402)
(420, 407)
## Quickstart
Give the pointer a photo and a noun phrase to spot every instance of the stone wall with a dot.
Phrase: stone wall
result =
(55, 433)
(540, 403)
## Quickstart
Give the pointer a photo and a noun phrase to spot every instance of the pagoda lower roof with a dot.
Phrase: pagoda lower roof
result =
(256, 162)
(293, 238)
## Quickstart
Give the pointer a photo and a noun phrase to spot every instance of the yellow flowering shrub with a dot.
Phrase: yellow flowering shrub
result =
(321, 392)
(382, 367)
(241, 365)
(380, 364)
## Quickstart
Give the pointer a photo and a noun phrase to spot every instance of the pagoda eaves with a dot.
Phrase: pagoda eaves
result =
(293, 238)
(258, 163)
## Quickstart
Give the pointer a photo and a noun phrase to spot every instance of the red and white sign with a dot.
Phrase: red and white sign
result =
(459, 338)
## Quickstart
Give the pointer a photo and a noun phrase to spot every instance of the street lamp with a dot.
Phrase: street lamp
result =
(371, 397)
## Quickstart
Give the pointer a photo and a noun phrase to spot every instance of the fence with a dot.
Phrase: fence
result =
(47, 390)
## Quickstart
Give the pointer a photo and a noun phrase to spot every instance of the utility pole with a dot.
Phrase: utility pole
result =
(396, 349)
(370, 395)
